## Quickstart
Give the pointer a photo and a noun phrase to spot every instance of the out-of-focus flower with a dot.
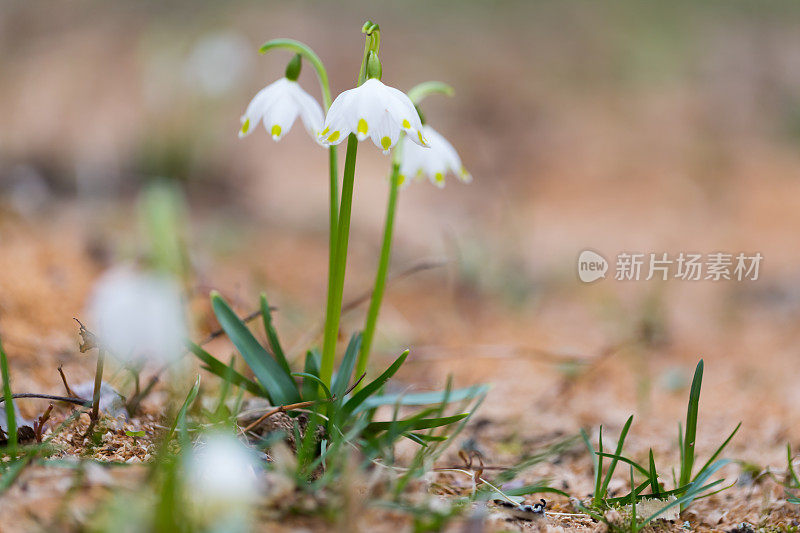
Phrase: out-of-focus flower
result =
(139, 316)
(221, 480)
(434, 162)
(278, 105)
(372, 110)
(217, 63)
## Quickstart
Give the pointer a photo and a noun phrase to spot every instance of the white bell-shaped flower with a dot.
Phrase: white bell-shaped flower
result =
(278, 105)
(372, 110)
(434, 162)
(139, 316)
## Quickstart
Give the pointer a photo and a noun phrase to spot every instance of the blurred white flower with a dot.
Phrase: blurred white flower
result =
(139, 316)
(217, 63)
(278, 106)
(434, 162)
(221, 479)
(372, 110)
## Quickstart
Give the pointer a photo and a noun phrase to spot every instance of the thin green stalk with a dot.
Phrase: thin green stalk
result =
(309, 55)
(334, 308)
(383, 267)
(338, 252)
(11, 419)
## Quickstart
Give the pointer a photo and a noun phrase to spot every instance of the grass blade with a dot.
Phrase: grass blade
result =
(180, 419)
(613, 465)
(598, 479)
(308, 389)
(719, 450)
(402, 426)
(634, 522)
(425, 398)
(275, 379)
(226, 372)
(687, 455)
(654, 475)
(345, 372)
(272, 335)
(624, 459)
(11, 417)
(358, 399)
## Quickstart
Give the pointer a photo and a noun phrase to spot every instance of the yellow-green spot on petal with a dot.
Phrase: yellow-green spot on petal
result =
(333, 136)
(386, 142)
(245, 126)
(439, 177)
(401, 179)
(422, 139)
(362, 126)
(325, 131)
(276, 131)
(406, 123)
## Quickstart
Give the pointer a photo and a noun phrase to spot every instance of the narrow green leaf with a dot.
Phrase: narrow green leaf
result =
(272, 335)
(361, 396)
(226, 372)
(533, 489)
(598, 480)
(795, 482)
(414, 424)
(654, 475)
(691, 425)
(11, 418)
(314, 379)
(424, 398)
(275, 379)
(342, 378)
(613, 465)
(180, 419)
(719, 450)
(634, 523)
(631, 462)
(309, 390)
(694, 489)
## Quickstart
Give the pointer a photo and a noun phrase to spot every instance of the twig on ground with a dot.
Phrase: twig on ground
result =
(38, 425)
(75, 400)
(64, 380)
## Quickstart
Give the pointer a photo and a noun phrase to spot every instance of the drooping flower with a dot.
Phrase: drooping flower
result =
(278, 105)
(139, 316)
(434, 162)
(372, 110)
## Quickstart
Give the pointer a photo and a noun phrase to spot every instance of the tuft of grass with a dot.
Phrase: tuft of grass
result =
(689, 485)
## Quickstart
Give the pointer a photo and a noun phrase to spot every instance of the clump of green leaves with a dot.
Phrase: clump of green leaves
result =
(346, 413)
(689, 485)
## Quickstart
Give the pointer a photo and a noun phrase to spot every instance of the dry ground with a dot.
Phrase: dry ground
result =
(610, 137)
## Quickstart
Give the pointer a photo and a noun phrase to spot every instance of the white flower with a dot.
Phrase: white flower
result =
(139, 316)
(278, 106)
(221, 478)
(433, 162)
(372, 110)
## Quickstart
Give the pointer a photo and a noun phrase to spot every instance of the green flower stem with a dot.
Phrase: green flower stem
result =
(416, 94)
(383, 267)
(309, 55)
(334, 308)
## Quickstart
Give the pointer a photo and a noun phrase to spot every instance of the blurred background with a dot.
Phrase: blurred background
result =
(640, 127)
